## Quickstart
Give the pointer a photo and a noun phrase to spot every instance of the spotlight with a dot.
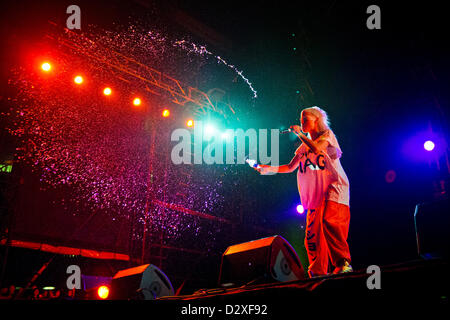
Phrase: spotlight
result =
(78, 79)
(300, 209)
(137, 101)
(210, 130)
(107, 91)
(227, 135)
(429, 145)
(48, 288)
(103, 292)
(190, 123)
(46, 66)
(165, 113)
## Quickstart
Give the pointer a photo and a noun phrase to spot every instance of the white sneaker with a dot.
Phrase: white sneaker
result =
(346, 267)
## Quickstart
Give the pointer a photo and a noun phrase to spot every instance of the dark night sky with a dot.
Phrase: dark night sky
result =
(378, 86)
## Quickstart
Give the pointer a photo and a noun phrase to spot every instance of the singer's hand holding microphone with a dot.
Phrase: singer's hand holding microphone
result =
(261, 168)
(295, 128)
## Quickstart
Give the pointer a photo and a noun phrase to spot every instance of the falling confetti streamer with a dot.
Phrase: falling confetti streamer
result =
(201, 50)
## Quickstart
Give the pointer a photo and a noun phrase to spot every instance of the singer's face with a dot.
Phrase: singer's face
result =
(307, 122)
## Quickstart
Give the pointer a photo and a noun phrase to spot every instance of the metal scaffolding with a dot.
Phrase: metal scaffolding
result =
(155, 81)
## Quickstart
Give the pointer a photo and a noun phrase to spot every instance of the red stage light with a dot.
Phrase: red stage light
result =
(78, 79)
(190, 123)
(103, 292)
(137, 101)
(46, 66)
(107, 91)
(165, 113)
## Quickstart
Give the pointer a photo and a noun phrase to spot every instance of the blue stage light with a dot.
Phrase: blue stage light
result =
(429, 145)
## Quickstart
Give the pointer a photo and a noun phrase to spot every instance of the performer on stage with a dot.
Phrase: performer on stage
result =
(324, 191)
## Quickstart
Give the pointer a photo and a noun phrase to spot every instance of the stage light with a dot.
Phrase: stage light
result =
(137, 101)
(48, 288)
(190, 123)
(225, 135)
(78, 79)
(429, 145)
(103, 292)
(46, 66)
(107, 91)
(424, 146)
(165, 113)
(228, 135)
(210, 131)
(300, 209)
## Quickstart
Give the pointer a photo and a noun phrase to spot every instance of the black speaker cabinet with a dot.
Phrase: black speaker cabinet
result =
(265, 260)
(145, 282)
(432, 224)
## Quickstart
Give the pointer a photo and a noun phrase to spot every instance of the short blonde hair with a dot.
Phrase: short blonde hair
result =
(321, 115)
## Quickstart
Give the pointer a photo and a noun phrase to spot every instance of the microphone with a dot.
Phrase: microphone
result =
(291, 130)
(252, 163)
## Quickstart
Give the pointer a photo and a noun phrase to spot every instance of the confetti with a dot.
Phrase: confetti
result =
(99, 150)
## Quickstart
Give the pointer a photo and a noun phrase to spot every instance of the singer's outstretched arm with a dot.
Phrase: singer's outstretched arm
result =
(286, 168)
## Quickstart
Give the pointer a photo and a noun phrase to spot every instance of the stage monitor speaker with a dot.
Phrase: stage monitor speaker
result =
(432, 224)
(259, 261)
(145, 282)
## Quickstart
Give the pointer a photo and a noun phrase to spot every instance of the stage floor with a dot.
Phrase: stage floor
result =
(408, 288)
(412, 284)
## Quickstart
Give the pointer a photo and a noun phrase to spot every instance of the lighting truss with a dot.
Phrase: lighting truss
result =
(154, 81)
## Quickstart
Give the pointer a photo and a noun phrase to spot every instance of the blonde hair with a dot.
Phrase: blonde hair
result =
(322, 118)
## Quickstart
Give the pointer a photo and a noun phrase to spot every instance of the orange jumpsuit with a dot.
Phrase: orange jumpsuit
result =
(324, 192)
